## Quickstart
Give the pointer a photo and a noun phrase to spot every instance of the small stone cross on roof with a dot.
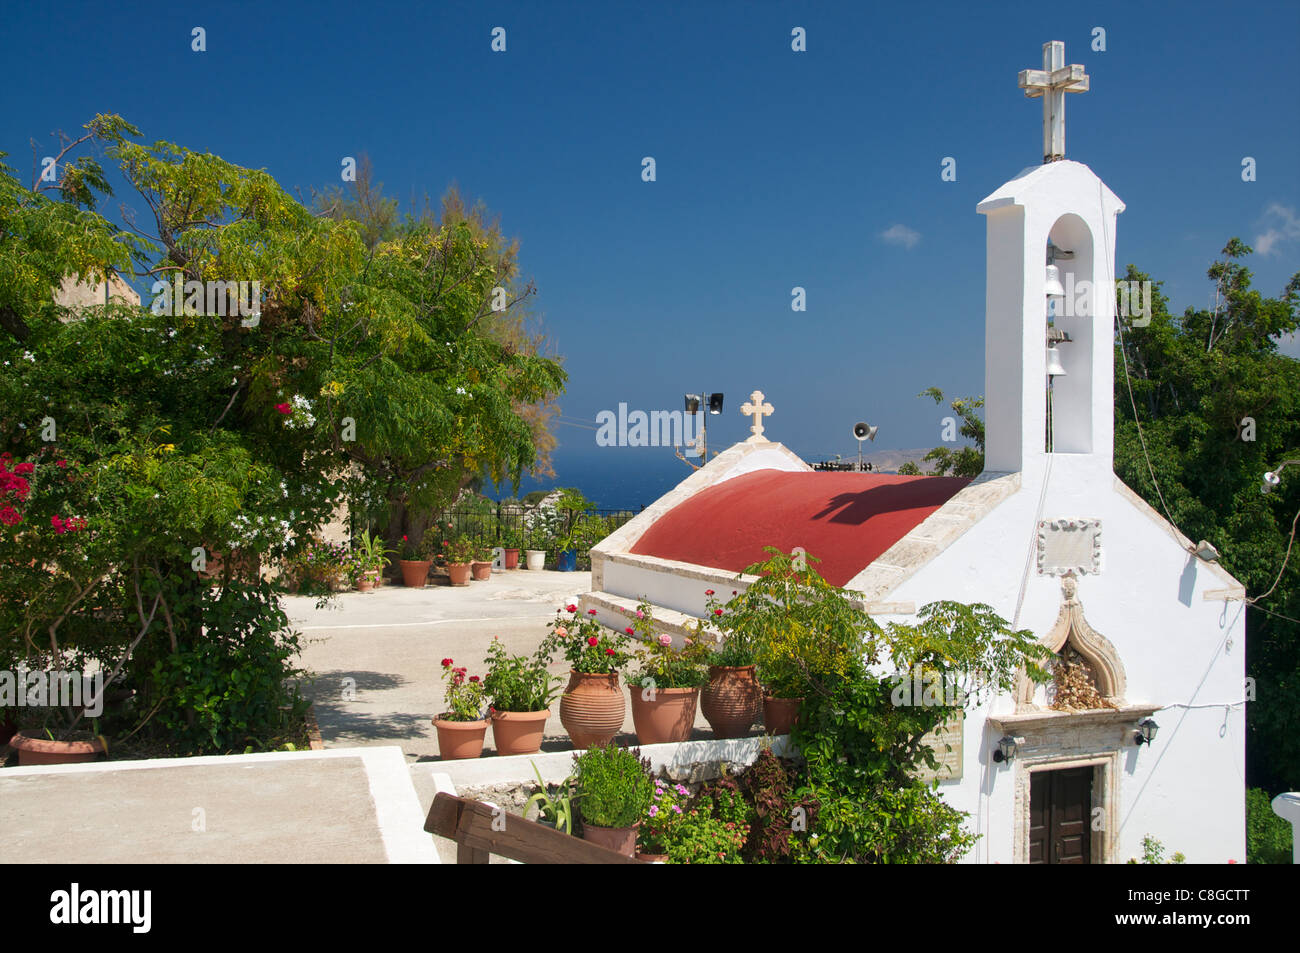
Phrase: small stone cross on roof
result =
(758, 410)
(1052, 82)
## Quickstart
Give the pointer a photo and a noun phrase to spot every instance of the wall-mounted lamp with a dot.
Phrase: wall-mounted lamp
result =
(1205, 550)
(1146, 732)
(1006, 749)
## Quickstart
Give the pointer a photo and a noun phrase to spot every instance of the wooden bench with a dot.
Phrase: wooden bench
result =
(481, 830)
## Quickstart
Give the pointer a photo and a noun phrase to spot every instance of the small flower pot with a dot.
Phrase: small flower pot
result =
(518, 732)
(364, 583)
(732, 701)
(535, 559)
(621, 839)
(458, 573)
(44, 751)
(415, 572)
(780, 714)
(652, 858)
(512, 558)
(567, 561)
(667, 716)
(482, 570)
(592, 708)
(459, 740)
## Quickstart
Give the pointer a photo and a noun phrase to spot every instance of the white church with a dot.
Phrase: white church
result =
(1047, 535)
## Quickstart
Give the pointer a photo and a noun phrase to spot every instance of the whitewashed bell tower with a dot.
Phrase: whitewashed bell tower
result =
(1062, 213)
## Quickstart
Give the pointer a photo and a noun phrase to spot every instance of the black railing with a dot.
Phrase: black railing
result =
(507, 524)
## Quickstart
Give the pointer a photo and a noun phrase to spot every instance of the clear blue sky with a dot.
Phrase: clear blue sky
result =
(775, 168)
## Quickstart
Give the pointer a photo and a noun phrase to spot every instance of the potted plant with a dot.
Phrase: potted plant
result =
(512, 540)
(462, 727)
(570, 531)
(616, 791)
(481, 561)
(554, 810)
(592, 706)
(666, 687)
(458, 554)
(416, 561)
(732, 700)
(520, 690)
(369, 556)
(541, 526)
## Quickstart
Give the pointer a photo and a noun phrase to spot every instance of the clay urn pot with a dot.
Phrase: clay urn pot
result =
(668, 715)
(780, 714)
(732, 701)
(458, 573)
(481, 570)
(621, 839)
(458, 740)
(592, 708)
(44, 751)
(415, 572)
(518, 732)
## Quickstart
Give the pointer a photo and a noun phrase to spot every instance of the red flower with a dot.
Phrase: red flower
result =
(591, 612)
(284, 409)
(570, 608)
(446, 663)
(630, 631)
(10, 516)
(59, 527)
(717, 612)
(473, 678)
(61, 464)
(609, 651)
(708, 592)
(593, 641)
(24, 468)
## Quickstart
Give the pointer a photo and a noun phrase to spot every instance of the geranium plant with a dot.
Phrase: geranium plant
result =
(464, 693)
(659, 665)
(459, 550)
(589, 647)
(519, 683)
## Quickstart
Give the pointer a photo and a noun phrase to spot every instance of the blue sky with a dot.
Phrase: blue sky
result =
(775, 169)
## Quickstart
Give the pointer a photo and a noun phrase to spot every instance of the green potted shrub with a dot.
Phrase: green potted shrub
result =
(481, 560)
(512, 541)
(666, 687)
(616, 791)
(369, 557)
(462, 727)
(732, 700)
(519, 690)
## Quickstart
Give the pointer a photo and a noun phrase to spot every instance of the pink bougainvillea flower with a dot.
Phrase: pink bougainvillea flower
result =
(10, 516)
(284, 409)
(593, 641)
(24, 468)
(59, 526)
(61, 464)
(665, 640)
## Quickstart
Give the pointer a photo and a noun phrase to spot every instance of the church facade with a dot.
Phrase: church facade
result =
(1047, 535)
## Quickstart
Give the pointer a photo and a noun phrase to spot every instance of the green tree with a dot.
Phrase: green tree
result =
(967, 461)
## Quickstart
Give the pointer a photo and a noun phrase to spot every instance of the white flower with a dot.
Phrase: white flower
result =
(29, 356)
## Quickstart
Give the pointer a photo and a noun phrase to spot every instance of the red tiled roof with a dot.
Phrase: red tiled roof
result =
(844, 519)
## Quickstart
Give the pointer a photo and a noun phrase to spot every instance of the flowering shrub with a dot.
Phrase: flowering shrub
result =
(589, 647)
(659, 664)
(320, 565)
(297, 413)
(459, 550)
(464, 693)
(663, 815)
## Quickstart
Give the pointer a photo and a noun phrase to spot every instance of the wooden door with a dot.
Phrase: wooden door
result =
(1060, 815)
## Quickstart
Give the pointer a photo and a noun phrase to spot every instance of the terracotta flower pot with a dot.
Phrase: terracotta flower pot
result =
(621, 839)
(592, 708)
(535, 559)
(780, 714)
(512, 559)
(668, 716)
(460, 739)
(415, 572)
(458, 573)
(652, 858)
(364, 583)
(732, 701)
(518, 732)
(45, 751)
(482, 570)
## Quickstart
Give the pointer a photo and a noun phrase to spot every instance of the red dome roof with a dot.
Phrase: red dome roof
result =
(846, 520)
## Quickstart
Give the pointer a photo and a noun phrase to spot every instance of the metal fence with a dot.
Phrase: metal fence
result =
(516, 526)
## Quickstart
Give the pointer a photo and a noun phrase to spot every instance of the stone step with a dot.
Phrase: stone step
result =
(618, 612)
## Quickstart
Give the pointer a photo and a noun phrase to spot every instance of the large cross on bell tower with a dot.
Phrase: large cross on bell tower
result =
(1052, 82)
